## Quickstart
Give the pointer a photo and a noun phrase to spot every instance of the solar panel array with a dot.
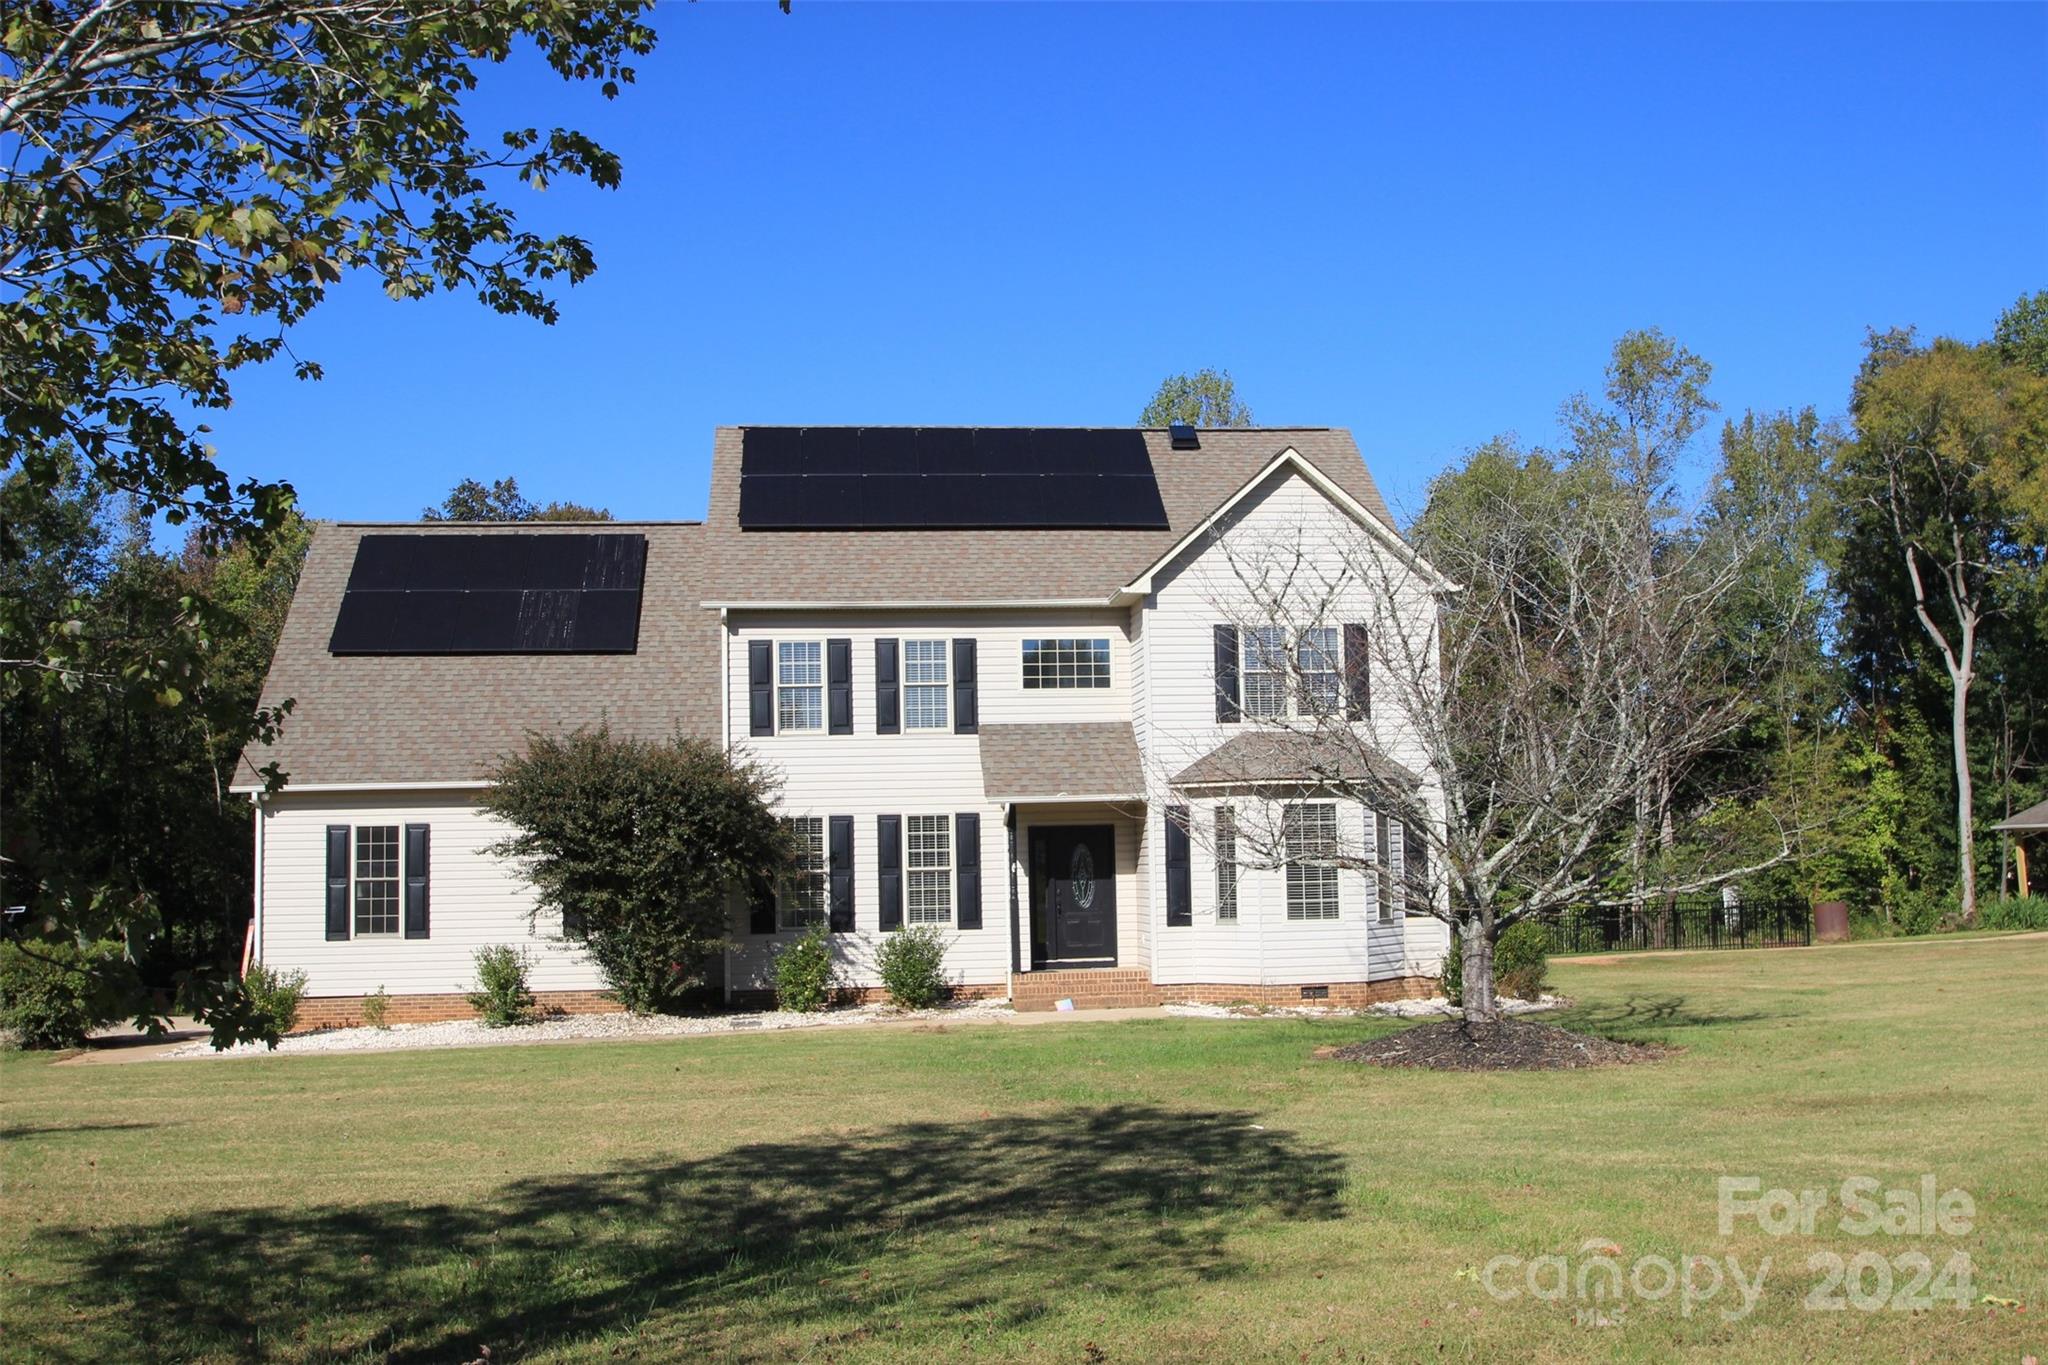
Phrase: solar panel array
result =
(947, 478)
(512, 593)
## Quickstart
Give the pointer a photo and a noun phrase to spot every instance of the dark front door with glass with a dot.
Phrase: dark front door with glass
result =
(1073, 896)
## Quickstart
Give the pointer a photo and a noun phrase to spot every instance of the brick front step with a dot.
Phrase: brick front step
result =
(1111, 988)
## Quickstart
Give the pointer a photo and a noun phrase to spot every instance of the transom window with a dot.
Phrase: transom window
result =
(1316, 654)
(1311, 835)
(924, 684)
(801, 901)
(1066, 663)
(1226, 864)
(376, 880)
(1265, 671)
(800, 685)
(931, 870)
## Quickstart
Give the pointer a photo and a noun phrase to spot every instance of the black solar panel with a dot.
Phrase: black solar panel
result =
(492, 594)
(932, 478)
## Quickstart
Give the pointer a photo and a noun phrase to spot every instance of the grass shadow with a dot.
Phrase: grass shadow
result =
(1626, 1020)
(918, 1229)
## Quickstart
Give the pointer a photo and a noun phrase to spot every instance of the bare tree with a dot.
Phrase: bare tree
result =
(1504, 688)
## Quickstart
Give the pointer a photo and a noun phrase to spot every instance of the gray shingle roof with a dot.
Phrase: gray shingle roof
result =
(984, 566)
(448, 719)
(1261, 756)
(1044, 762)
(2032, 818)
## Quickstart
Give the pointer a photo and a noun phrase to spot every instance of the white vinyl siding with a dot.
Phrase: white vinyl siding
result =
(924, 684)
(929, 898)
(376, 880)
(800, 902)
(800, 685)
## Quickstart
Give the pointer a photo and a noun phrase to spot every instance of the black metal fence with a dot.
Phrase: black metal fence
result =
(1702, 921)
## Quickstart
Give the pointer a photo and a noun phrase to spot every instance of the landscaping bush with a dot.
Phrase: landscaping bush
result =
(913, 966)
(501, 998)
(1521, 963)
(638, 846)
(803, 971)
(376, 1009)
(46, 992)
(274, 999)
(2026, 912)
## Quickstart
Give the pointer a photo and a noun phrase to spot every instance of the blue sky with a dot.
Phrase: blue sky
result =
(1425, 224)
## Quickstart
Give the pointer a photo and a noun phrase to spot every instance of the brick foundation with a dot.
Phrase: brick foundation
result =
(764, 999)
(1342, 994)
(1128, 988)
(346, 1011)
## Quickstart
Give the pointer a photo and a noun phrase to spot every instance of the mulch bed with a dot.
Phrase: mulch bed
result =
(1510, 1045)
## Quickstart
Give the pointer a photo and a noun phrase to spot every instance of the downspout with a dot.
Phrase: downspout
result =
(256, 890)
(725, 740)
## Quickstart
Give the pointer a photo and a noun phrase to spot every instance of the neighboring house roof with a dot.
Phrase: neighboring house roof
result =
(1060, 761)
(2030, 819)
(917, 567)
(448, 718)
(1261, 757)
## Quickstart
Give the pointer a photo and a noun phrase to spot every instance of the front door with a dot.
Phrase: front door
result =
(1074, 890)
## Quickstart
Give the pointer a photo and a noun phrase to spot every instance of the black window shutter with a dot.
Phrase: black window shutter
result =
(965, 713)
(1357, 674)
(889, 869)
(888, 716)
(760, 687)
(416, 838)
(967, 868)
(1180, 898)
(337, 881)
(1228, 707)
(760, 905)
(840, 874)
(839, 687)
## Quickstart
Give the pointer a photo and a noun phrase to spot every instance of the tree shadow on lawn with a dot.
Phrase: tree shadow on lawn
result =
(1667, 1015)
(940, 1227)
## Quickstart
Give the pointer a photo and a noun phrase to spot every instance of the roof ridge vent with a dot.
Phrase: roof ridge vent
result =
(1181, 436)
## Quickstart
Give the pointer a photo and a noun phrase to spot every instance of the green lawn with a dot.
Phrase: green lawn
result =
(1145, 1191)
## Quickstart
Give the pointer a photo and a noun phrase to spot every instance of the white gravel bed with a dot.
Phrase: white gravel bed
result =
(1400, 1009)
(568, 1027)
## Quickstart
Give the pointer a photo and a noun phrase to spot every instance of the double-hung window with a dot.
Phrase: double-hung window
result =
(1311, 837)
(1226, 864)
(801, 899)
(1066, 664)
(800, 685)
(376, 880)
(1265, 671)
(1316, 654)
(930, 899)
(924, 684)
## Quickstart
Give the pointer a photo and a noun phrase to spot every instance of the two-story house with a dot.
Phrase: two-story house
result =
(1005, 675)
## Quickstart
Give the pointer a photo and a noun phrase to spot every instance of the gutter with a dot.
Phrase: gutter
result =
(475, 784)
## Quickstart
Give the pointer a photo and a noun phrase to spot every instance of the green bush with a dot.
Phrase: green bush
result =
(2027, 912)
(46, 992)
(501, 998)
(1521, 963)
(377, 1009)
(274, 998)
(803, 971)
(913, 966)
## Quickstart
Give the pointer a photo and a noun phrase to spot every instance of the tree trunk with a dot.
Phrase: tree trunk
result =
(1476, 933)
(1966, 843)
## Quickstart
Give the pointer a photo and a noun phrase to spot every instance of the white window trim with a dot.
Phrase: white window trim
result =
(824, 701)
(1226, 828)
(356, 879)
(911, 869)
(944, 686)
(785, 905)
(1293, 677)
(1322, 865)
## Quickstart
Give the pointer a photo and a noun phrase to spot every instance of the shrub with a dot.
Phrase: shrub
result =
(501, 998)
(1521, 960)
(2027, 912)
(639, 845)
(1453, 984)
(274, 998)
(46, 992)
(913, 966)
(803, 970)
(376, 1009)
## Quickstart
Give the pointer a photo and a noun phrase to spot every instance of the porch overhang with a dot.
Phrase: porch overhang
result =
(1081, 761)
(1287, 758)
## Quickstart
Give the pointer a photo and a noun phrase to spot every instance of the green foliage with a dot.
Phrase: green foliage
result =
(804, 971)
(274, 997)
(1521, 960)
(912, 963)
(377, 1009)
(643, 844)
(2020, 912)
(502, 501)
(501, 998)
(2021, 334)
(1206, 398)
(47, 998)
(1453, 982)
